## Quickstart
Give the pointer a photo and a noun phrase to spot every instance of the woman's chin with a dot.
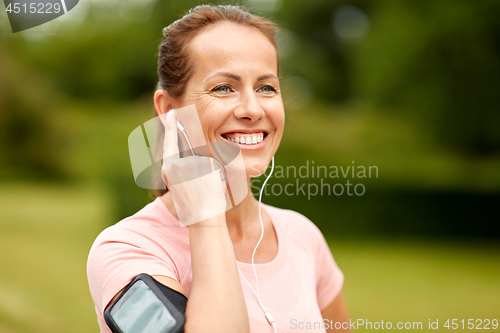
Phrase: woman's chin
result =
(255, 169)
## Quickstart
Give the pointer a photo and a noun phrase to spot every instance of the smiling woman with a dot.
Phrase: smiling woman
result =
(248, 269)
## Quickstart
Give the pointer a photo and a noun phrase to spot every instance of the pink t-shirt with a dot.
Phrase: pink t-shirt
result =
(295, 286)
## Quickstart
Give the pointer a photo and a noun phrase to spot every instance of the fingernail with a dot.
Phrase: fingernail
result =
(169, 116)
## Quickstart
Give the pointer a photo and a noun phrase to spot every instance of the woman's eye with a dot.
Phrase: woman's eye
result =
(267, 89)
(222, 89)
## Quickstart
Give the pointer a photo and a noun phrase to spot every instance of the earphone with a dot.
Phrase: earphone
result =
(267, 314)
(181, 128)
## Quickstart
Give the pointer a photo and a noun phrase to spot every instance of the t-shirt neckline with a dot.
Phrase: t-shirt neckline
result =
(262, 268)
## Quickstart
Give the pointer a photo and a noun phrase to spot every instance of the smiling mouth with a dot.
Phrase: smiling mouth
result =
(245, 138)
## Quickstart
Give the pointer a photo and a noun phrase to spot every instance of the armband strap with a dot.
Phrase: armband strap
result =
(175, 297)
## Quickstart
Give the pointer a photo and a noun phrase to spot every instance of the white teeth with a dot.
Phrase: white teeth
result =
(247, 140)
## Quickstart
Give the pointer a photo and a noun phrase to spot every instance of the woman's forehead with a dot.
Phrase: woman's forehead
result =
(232, 45)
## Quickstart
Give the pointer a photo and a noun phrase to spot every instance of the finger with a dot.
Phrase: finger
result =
(170, 148)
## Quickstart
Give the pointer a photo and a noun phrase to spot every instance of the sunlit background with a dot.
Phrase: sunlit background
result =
(410, 88)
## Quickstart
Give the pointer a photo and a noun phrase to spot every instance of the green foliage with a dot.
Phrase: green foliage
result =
(437, 62)
(416, 96)
(31, 142)
(111, 55)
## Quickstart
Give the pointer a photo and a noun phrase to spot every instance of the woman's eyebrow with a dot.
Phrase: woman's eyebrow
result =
(233, 76)
(266, 76)
(238, 78)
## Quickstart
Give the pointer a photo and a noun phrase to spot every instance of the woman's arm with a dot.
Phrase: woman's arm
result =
(336, 312)
(216, 302)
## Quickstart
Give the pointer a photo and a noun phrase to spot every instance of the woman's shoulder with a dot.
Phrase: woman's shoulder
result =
(150, 226)
(149, 242)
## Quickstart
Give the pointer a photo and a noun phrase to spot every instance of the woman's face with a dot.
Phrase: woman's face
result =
(236, 91)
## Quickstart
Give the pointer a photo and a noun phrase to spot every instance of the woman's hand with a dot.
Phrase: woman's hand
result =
(195, 182)
(216, 301)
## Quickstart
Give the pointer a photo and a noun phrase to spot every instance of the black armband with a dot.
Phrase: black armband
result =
(146, 305)
(176, 298)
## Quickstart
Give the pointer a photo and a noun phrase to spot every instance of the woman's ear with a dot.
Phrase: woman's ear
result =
(163, 103)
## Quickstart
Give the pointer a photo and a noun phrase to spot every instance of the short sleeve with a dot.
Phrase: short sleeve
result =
(330, 278)
(116, 258)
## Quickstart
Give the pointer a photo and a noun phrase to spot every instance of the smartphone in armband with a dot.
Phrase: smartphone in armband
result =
(145, 305)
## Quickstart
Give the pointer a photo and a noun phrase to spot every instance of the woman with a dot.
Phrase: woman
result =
(225, 62)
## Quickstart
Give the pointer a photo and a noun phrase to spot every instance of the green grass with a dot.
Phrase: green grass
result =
(417, 280)
(45, 235)
(46, 232)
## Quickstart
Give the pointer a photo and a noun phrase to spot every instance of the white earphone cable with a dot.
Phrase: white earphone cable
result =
(189, 143)
(257, 293)
(268, 316)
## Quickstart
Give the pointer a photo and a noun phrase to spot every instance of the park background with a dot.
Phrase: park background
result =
(411, 87)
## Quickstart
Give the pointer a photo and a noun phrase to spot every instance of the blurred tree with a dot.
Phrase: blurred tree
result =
(435, 61)
(31, 143)
(319, 55)
(439, 63)
(111, 55)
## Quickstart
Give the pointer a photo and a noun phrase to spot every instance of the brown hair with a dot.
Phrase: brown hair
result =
(174, 68)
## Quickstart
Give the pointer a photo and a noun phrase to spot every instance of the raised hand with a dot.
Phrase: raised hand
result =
(195, 182)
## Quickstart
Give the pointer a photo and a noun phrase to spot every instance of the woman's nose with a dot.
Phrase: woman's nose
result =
(249, 107)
